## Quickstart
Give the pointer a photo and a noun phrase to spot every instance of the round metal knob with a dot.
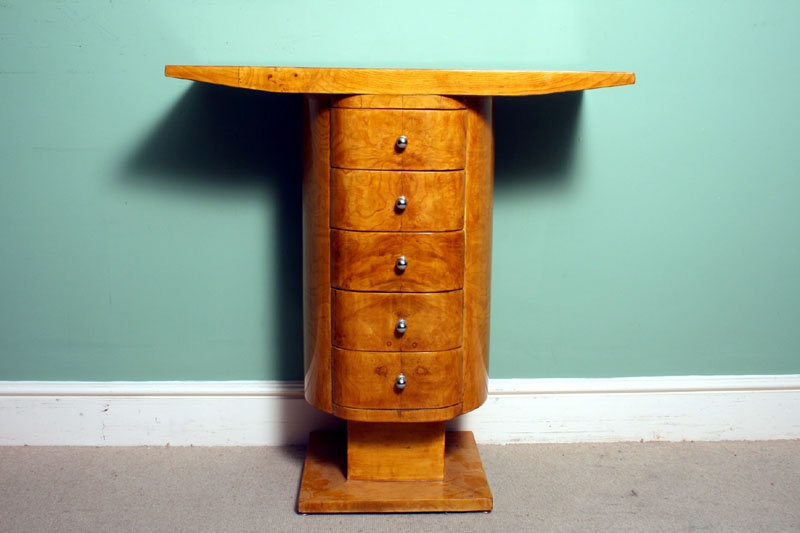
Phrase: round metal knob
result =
(402, 142)
(401, 326)
(400, 382)
(401, 263)
(401, 203)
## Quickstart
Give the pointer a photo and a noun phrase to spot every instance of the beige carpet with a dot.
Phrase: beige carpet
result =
(730, 486)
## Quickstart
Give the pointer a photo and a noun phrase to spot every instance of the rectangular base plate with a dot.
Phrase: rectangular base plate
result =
(326, 489)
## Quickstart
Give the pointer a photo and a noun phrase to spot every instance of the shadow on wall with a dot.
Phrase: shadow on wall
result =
(535, 137)
(226, 140)
(224, 137)
(230, 140)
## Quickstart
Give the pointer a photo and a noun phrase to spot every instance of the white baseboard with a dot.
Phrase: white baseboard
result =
(247, 413)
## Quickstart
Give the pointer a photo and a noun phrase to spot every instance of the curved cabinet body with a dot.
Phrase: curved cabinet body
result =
(397, 207)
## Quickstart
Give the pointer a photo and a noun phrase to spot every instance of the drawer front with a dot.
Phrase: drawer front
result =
(373, 321)
(368, 200)
(368, 139)
(397, 262)
(368, 380)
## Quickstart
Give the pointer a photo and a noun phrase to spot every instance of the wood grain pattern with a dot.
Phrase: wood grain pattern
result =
(326, 489)
(365, 139)
(478, 230)
(228, 76)
(366, 321)
(395, 451)
(365, 200)
(316, 252)
(366, 261)
(366, 380)
(397, 415)
(397, 101)
(311, 80)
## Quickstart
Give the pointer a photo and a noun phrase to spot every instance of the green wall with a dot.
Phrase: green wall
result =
(149, 227)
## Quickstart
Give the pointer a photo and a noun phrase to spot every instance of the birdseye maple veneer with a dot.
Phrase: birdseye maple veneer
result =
(397, 232)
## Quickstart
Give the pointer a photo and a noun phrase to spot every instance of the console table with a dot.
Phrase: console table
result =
(397, 233)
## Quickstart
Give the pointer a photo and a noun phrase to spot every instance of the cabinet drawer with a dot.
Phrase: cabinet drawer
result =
(367, 139)
(397, 201)
(397, 262)
(369, 321)
(368, 380)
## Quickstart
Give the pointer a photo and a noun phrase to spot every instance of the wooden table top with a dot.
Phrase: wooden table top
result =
(309, 80)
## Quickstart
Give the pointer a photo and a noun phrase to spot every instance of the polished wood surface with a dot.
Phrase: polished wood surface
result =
(478, 262)
(395, 451)
(397, 415)
(316, 252)
(367, 380)
(326, 489)
(367, 261)
(366, 321)
(366, 200)
(310, 80)
(397, 101)
(366, 139)
(359, 261)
